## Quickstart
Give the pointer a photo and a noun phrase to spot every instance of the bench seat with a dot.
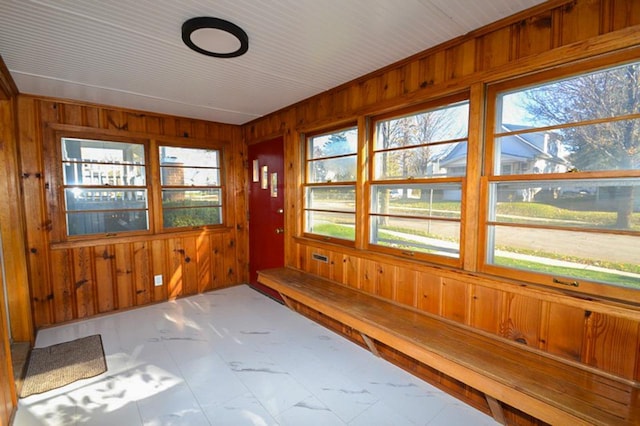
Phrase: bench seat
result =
(545, 387)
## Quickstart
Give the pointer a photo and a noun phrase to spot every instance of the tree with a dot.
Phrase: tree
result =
(610, 145)
(336, 169)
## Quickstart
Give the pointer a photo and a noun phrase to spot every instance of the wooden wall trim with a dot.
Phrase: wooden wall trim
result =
(8, 88)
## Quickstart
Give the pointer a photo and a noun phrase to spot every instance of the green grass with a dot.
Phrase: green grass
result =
(584, 274)
(538, 211)
(532, 211)
(344, 232)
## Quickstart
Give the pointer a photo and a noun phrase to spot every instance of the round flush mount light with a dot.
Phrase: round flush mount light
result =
(215, 37)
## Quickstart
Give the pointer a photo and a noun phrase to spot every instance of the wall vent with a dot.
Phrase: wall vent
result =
(320, 258)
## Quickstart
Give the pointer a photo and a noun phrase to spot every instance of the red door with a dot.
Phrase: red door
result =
(266, 209)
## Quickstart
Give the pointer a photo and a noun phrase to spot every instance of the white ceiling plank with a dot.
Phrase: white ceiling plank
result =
(130, 53)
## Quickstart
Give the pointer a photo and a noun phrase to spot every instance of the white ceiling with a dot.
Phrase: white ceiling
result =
(130, 53)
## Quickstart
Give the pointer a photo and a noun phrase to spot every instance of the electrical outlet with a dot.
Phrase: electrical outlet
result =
(157, 280)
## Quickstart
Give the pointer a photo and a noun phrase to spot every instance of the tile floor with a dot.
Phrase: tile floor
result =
(234, 357)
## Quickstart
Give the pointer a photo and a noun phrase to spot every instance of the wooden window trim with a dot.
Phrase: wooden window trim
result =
(587, 288)
(158, 187)
(305, 185)
(54, 175)
(431, 105)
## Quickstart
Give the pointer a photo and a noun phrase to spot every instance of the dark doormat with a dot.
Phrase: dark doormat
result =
(58, 365)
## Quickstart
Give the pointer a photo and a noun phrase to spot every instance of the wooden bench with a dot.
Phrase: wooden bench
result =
(545, 387)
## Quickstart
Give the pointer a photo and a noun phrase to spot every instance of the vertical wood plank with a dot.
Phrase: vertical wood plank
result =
(336, 260)
(72, 114)
(486, 308)
(565, 331)
(386, 278)
(229, 260)
(142, 274)
(611, 344)
(91, 116)
(203, 262)
(114, 119)
(429, 292)
(352, 265)
(455, 300)
(153, 125)
(405, 286)
(63, 292)
(521, 319)
(369, 281)
(104, 279)
(160, 266)
(175, 255)
(124, 276)
(190, 275)
(135, 122)
(626, 13)
(460, 60)
(36, 224)
(580, 21)
(217, 261)
(84, 284)
(534, 35)
(494, 49)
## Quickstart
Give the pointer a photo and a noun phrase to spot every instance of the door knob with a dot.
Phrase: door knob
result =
(281, 211)
(279, 230)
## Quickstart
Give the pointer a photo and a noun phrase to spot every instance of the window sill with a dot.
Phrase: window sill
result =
(122, 239)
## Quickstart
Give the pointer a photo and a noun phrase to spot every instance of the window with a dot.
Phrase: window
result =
(330, 184)
(419, 164)
(105, 188)
(191, 187)
(564, 180)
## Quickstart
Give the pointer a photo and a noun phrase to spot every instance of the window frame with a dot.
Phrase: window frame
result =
(159, 209)
(586, 287)
(59, 209)
(371, 181)
(306, 184)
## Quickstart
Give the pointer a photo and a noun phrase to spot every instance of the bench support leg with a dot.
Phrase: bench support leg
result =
(287, 301)
(370, 344)
(496, 409)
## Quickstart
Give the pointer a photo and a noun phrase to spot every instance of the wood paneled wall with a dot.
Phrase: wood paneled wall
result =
(595, 334)
(72, 280)
(14, 263)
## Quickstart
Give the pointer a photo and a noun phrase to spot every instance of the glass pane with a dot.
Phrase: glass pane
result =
(426, 161)
(77, 199)
(417, 200)
(103, 174)
(186, 176)
(605, 203)
(602, 94)
(334, 170)
(604, 258)
(337, 225)
(191, 198)
(102, 222)
(333, 144)
(604, 146)
(189, 157)
(419, 235)
(442, 124)
(191, 216)
(102, 151)
(337, 198)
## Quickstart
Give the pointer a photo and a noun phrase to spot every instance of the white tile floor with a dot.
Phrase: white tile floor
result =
(235, 357)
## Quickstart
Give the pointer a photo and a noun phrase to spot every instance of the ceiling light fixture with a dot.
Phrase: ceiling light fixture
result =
(215, 37)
